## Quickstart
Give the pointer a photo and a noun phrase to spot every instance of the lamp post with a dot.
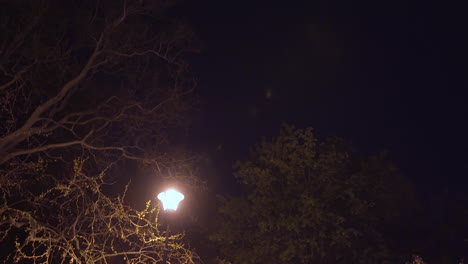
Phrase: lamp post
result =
(170, 200)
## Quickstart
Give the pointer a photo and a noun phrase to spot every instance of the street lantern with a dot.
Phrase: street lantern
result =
(170, 199)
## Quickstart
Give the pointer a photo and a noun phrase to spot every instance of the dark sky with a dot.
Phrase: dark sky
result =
(384, 75)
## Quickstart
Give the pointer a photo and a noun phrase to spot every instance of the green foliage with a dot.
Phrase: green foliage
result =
(308, 202)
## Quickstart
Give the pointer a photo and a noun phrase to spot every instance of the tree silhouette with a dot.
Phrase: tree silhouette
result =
(310, 202)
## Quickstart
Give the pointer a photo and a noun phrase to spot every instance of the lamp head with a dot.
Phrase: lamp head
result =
(170, 199)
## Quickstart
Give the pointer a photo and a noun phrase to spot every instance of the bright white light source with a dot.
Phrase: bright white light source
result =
(170, 199)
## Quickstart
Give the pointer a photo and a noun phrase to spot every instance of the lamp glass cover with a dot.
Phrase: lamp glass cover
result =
(170, 199)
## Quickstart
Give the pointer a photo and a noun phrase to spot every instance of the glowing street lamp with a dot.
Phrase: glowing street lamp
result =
(170, 200)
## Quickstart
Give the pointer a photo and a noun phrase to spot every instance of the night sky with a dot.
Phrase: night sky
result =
(386, 76)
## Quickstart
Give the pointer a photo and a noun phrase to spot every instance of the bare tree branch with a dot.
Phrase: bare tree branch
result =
(12, 139)
(43, 118)
(88, 226)
(16, 77)
(99, 81)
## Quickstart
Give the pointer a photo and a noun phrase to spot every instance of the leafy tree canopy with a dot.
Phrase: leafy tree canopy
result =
(310, 202)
